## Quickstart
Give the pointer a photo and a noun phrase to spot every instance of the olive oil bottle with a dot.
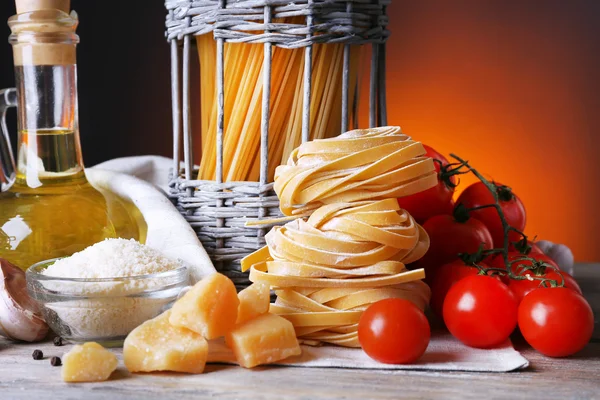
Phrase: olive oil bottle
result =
(51, 210)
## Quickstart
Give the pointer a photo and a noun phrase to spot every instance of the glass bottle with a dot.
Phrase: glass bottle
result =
(51, 210)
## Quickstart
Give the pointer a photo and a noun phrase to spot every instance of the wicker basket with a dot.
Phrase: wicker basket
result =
(216, 210)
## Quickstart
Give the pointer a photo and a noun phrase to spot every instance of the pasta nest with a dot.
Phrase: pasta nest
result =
(363, 164)
(328, 268)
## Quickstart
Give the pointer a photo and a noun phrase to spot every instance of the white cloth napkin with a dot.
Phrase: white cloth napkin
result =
(444, 353)
(153, 169)
(169, 232)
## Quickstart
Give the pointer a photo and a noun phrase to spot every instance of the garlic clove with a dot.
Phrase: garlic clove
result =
(544, 245)
(560, 253)
(20, 316)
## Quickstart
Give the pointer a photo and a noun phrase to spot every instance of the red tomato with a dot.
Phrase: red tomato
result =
(394, 331)
(433, 201)
(448, 238)
(446, 276)
(480, 311)
(478, 195)
(557, 322)
(521, 287)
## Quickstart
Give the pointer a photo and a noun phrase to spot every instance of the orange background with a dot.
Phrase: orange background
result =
(511, 86)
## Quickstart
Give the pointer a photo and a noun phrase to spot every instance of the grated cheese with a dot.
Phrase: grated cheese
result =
(113, 309)
(112, 258)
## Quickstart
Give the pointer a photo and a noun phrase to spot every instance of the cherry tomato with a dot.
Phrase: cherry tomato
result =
(521, 287)
(445, 277)
(557, 322)
(478, 195)
(394, 331)
(433, 201)
(480, 311)
(449, 237)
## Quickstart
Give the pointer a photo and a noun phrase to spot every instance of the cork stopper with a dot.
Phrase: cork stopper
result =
(24, 6)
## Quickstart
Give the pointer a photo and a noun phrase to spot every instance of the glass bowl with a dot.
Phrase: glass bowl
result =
(102, 310)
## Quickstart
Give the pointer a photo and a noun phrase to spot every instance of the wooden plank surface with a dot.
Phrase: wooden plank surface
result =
(577, 377)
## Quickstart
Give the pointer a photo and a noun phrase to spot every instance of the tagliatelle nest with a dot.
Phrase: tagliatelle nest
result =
(345, 256)
(363, 164)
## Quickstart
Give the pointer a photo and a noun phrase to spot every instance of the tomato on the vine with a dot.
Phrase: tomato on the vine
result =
(478, 195)
(557, 322)
(521, 287)
(433, 201)
(445, 277)
(394, 331)
(480, 311)
(518, 265)
(449, 236)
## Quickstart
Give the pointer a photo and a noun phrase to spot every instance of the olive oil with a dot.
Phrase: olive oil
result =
(52, 210)
(54, 158)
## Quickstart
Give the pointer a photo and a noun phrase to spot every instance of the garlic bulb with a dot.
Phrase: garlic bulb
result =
(20, 317)
(560, 253)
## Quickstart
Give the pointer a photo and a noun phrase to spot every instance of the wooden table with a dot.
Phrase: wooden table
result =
(573, 378)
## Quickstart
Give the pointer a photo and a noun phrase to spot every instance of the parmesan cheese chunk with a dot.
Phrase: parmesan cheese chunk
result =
(254, 301)
(89, 362)
(209, 308)
(262, 340)
(156, 345)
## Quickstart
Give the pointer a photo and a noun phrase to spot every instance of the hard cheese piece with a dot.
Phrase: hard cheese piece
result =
(254, 301)
(262, 340)
(89, 362)
(209, 308)
(156, 345)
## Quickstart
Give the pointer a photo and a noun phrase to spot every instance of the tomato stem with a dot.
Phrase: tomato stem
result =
(461, 214)
(492, 251)
(504, 193)
(450, 170)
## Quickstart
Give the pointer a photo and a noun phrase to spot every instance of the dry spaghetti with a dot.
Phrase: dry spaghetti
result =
(345, 256)
(243, 77)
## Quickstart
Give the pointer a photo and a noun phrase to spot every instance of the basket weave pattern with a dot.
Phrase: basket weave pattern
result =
(333, 21)
(218, 211)
(242, 202)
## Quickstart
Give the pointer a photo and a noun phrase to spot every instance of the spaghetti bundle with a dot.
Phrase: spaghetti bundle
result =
(363, 164)
(243, 80)
(345, 256)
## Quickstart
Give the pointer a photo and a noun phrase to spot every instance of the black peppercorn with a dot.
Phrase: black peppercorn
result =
(37, 355)
(58, 341)
(55, 362)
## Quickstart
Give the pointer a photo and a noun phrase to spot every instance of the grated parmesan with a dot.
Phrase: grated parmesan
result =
(112, 258)
(113, 309)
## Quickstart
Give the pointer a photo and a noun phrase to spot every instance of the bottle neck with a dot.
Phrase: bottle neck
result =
(49, 151)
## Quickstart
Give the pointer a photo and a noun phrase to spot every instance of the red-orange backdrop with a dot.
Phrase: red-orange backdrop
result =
(513, 87)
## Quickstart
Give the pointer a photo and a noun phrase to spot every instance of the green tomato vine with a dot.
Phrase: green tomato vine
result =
(536, 267)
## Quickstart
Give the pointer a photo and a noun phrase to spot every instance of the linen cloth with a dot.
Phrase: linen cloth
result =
(143, 180)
